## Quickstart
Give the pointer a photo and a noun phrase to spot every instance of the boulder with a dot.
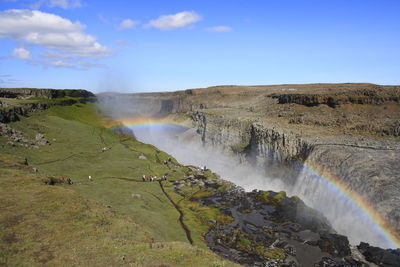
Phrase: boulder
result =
(142, 157)
(334, 244)
(379, 256)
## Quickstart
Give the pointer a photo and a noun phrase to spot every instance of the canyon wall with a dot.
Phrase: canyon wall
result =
(372, 171)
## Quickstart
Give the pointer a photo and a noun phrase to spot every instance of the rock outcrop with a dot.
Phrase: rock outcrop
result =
(334, 100)
(265, 228)
(381, 257)
(43, 93)
(11, 114)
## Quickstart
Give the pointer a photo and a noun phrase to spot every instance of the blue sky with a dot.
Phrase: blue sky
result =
(133, 46)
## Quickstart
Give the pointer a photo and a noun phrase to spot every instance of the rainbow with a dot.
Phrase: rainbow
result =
(144, 123)
(380, 224)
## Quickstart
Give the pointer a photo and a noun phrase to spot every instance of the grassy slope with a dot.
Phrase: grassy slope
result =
(67, 222)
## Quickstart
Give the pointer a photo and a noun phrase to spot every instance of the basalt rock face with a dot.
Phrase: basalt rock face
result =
(13, 114)
(253, 143)
(333, 100)
(43, 93)
(256, 141)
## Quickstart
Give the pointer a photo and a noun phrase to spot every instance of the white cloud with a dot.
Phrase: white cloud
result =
(127, 24)
(65, 3)
(60, 36)
(219, 29)
(60, 63)
(21, 53)
(178, 20)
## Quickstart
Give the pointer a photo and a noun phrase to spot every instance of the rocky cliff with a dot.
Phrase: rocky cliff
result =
(12, 114)
(370, 95)
(43, 93)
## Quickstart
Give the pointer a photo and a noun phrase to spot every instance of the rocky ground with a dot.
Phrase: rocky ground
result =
(16, 137)
(270, 229)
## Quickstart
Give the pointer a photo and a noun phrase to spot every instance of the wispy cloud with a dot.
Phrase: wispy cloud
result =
(178, 20)
(62, 38)
(65, 4)
(121, 42)
(22, 53)
(126, 24)
(219, 29)
(7, 78)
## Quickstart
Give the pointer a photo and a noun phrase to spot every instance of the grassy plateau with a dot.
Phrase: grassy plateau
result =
(114, 220)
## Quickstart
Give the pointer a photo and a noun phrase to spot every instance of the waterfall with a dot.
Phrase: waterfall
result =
(343, 213)
(346, 217)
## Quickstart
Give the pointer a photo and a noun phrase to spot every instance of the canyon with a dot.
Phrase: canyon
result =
(310, 182)
(329, 144)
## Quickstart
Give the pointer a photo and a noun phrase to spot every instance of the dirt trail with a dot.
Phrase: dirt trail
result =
(181, 215)
(57, 160)
(122, 178)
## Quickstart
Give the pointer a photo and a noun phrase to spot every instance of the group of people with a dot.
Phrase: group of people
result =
(152, 178)
(168, 161)
(67, 180)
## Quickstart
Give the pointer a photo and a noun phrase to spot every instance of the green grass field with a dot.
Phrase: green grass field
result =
(95, 222)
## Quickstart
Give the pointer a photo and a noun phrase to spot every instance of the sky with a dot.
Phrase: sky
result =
(142, 46)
